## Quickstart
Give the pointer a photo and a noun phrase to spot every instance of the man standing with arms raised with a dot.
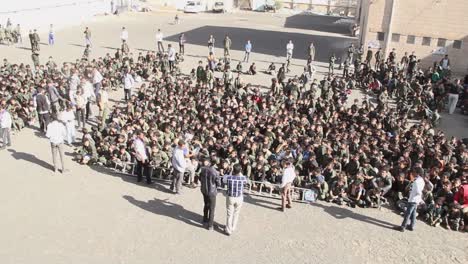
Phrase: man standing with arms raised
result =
(209, 179)
(234, 197)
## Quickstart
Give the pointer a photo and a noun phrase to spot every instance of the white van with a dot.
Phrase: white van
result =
(193, 7)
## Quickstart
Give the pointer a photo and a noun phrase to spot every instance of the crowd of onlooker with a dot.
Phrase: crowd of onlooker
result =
(356, 153)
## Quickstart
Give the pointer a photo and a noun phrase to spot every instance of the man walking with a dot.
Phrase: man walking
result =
(209, 179)
(159, 39)
(415, 198)
(286, 181)
(57, 133)
(311, 51)
(5, 126)
(141, 157)
(234, 197)
(54, 96)
(179, 165)
(248, 49)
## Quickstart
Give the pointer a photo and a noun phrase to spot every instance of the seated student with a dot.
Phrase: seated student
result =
(158, 160)
(357, 193)
(435, 213)
(239, 67)
(320, 185)
(271, 69)
(87, 154)
(122, 160)
(454, 218)
(253, 69)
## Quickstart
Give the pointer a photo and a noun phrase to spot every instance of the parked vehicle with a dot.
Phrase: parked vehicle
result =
(193, 7)
(218, 7)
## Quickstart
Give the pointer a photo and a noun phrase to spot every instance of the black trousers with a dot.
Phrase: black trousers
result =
(88, 110)
(181, 49)
(44, 120)
(209, 209)
(127, 94)
(141, 169)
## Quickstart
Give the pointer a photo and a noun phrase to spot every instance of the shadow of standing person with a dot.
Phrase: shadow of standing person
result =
(30, 158)
(168, 209)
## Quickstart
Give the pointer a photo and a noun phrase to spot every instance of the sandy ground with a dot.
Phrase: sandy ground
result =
(93, 216)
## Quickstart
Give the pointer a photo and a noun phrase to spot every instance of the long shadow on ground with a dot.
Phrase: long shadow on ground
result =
(322, 23)
(342, 213)
(168, 209)
(268, 42)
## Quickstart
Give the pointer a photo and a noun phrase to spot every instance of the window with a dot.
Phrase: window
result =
(457, 44)
(380, 36)
(426, 41)
(441, 42)
(395, 37)
(411, 39)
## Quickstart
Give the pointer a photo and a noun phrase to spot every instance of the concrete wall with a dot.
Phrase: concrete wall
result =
(436, 19)
(41, 13)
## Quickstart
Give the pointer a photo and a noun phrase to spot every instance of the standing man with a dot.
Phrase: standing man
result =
(87, 34)
(141, 157)
(351, 50)
(331, 64)
(209, 179)
(248, 49)
(54, 96)
(36, 39)
(31, 39)
(234, 197)
(311, 52)
(286, 181)
(211, 43)
(453, 94)
(227, 48)
(171, 57)
(42, 105)
(415, 198)
(97, 81)
(124, 34)
(179, 165)
(289, 50)
(51, 35)
(35, 58)
(128, 85)
(369, 56)
(5, 126)
(182, 41)
(159, 39)
(57, 133)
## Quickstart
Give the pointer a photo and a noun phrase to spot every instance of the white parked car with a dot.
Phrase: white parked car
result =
(193, 7)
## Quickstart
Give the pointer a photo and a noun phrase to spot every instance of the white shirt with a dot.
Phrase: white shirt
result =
(88, 91)
(128, 81)
(417, 188)
(171, 54)
(140, 149)
(56, 132)
(159, 37)
(74, 82)
(124, 35)
(290, 47)
(288, 176)
(178, 160)
(97, 77)
(68, 117)
(5, 119)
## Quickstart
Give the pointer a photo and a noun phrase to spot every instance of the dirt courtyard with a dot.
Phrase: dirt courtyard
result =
(91, 215)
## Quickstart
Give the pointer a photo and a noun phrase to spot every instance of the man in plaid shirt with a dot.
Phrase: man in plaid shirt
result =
(234, 197)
